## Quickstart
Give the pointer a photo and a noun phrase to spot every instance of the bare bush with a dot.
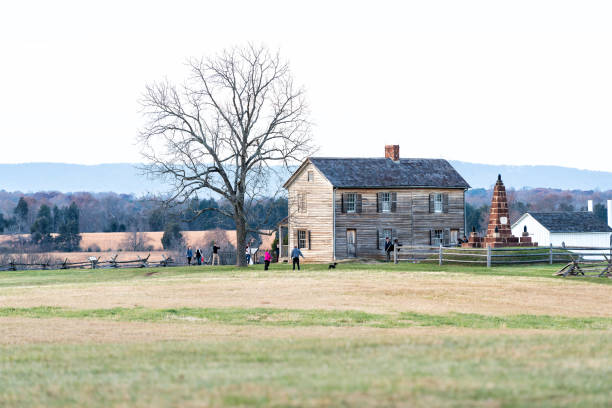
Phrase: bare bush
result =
(136, 241)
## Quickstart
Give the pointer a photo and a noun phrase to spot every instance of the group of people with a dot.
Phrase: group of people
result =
(198, 257)
(390, 247)
(267, 257)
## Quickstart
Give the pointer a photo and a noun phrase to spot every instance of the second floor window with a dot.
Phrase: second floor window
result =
(438, 203)
(311, 176)
(351, 202)
(385, 202)
(301, 202)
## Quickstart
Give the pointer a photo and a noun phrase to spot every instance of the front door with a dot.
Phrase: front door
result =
(351, 240)
(454, 238)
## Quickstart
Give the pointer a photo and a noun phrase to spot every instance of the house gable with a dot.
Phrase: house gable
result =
(307, 165)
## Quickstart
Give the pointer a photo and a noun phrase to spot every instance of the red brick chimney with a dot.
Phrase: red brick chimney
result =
(392, 152)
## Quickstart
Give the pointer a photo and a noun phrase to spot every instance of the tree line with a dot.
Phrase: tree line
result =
(536, 199)
(54, 220)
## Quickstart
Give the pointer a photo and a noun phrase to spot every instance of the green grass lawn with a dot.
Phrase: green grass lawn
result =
(296, 357)
(465, 371)
(303, 318)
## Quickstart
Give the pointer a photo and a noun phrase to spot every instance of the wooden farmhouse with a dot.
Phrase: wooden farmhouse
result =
(343, 208)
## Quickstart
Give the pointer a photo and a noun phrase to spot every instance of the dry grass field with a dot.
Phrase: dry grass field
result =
(107, 244)
(360, 335)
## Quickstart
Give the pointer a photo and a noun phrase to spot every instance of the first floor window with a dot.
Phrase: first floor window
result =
(436, 237)
(301, 239)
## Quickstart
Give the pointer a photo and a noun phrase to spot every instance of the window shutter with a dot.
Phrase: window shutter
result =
(445, 203)
(342, 205)
(378, 202)
(358, 203)
(446, 236)
(305, 202)
(393, 202)
(309, 245)
(431, 203)
(295, 238)
(377, 238)
(431, 233)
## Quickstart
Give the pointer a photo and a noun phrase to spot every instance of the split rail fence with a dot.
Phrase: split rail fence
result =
(113, 262)
(491, 257)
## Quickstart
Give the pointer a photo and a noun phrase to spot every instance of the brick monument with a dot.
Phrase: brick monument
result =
(499, 233)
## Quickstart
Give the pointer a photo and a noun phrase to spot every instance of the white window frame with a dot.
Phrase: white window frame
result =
(351, 202)
(302, 244)
(438, 203)
(437, 238)
(385, 202)
(310, 176)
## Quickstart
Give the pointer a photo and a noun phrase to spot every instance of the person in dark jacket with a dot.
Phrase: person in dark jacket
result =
(189, 255)
(198, 255)
(388, 248)
(215, 254)
(295, 256)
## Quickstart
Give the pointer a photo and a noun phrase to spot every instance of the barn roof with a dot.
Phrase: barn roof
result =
(571, 221)
(385, 173)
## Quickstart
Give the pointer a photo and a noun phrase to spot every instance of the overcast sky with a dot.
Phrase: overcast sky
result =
(520, 82)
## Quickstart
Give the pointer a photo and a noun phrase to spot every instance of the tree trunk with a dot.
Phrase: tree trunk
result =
(241, 233)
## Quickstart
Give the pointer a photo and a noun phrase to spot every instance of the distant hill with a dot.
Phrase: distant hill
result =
(126, 178)
(119, 178)
(518, 177)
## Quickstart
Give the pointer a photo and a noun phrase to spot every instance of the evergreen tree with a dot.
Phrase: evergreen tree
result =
(69, 237)
(21, 214)
(601, 212)
(172, 238)
(42, 227)
(57, 216)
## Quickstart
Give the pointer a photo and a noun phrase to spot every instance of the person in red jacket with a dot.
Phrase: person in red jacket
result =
(267, 259)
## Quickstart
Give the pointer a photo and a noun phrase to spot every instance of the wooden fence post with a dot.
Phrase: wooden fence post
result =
(440, 255)
(550, 254)
(488, 257)
(395, 260)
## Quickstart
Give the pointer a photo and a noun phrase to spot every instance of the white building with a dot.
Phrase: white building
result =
(572, 229)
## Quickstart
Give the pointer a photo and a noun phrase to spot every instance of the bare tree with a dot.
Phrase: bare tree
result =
(237, 115)
(136, 241)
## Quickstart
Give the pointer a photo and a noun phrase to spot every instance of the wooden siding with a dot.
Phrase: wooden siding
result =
(411, 222)
(317, 217)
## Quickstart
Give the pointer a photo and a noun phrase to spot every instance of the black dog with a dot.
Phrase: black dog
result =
(332, 266)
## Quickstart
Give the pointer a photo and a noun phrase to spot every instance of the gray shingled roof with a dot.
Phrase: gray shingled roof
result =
(568, 221)
(381, 172)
